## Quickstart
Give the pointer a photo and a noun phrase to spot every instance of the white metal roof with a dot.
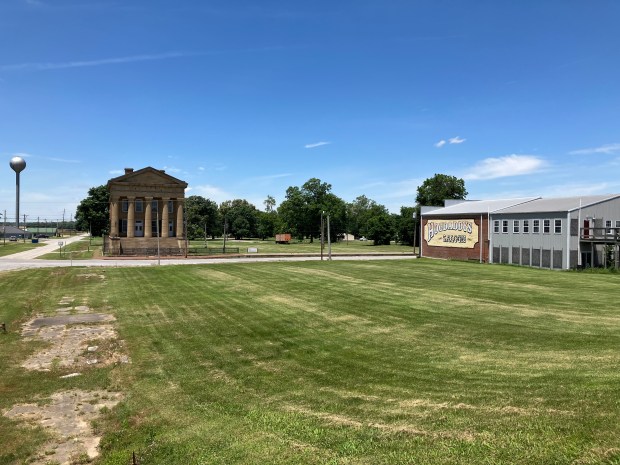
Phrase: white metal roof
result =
(558, 204)
(477, 207)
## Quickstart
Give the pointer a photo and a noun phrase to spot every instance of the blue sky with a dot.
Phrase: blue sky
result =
(242, 99)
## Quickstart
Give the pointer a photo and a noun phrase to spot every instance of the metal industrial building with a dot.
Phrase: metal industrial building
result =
(555, 233)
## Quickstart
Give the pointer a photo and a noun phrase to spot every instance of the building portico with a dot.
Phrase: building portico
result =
(145, 205)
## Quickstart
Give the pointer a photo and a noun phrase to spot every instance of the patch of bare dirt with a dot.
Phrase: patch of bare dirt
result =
(71, 340)
(75, 337)
(67, 418)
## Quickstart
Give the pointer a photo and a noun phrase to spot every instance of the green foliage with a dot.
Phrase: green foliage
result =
(406, 224)
(241, 218)
(93, 213)
(380, 229)
(301, 211)
(359, 214)
(440, 187)
(203, 218)
(268, 224)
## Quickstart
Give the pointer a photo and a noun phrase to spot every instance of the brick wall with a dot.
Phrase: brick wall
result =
(458, 253)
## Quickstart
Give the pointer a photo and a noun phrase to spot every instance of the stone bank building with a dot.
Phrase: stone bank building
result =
(554, 233)
(146, 214)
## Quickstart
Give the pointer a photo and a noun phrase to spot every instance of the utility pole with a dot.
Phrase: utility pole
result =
(185, 230)
(329, 241)
(224, 249)
(63, 220)
(322, 242)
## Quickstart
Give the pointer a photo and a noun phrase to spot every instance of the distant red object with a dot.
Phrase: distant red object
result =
(283, 238)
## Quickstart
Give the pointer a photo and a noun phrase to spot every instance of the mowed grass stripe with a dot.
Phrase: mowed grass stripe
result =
(354, 362)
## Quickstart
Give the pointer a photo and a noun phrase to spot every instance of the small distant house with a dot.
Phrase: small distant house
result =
(146, 213)
(7, 231)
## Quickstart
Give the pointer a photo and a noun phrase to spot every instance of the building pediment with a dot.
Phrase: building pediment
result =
(147, 177)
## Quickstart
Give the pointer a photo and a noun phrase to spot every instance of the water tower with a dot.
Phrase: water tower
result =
(18, 164)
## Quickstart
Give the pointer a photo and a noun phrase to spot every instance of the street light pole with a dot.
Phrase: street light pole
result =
(415, 229)
(322, 229)
(329, 241)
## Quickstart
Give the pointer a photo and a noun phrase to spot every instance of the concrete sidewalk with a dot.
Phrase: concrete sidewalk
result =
(51, 245)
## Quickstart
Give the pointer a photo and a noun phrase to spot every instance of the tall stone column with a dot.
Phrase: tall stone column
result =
(148, 217)
(131, 216)
(114, 218)
(165, 218)
(180, 219)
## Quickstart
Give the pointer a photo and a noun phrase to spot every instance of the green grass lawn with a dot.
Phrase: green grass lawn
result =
(382, 362)
(84, 249)
(9, 248)
(270, 246)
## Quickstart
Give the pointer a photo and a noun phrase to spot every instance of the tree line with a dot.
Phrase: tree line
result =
(299, 213)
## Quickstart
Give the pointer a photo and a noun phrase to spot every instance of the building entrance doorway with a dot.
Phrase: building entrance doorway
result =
(139, 229)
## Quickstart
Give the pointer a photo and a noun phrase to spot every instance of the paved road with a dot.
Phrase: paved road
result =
(26, 260)
(51, 245)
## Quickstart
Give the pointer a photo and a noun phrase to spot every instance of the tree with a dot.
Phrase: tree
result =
(435, 190)
(268, 220)
(270, 204)
(93, 213)
(301, 210)
(406, 223)
(241, 217)
(381, 229)
(202, 217)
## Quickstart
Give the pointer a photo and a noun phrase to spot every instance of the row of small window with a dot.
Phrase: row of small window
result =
(139, 226)
(523, 226)
(610, 228)
(139, 205)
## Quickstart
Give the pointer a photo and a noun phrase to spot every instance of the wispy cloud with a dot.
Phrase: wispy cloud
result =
(62, 160)
(45, 66)
(201, 168)
(509, 165)
(170, 169)
(269, 177)
(451, 140)
(54, 159)
(117, 172)
(605, 149)
(211, 192)
(316, 144)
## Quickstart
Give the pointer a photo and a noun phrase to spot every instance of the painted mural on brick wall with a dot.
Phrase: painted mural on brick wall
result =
(451, 233)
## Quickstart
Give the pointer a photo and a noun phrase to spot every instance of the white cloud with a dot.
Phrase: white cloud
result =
(118, 172)
(63, 160)
(270, 177)
(606, 149)
(43, 66)
(509, 165)
(456, 140)
(169, 169)
(317, 144)
(201, 168)
(211, 192)
(440, 144)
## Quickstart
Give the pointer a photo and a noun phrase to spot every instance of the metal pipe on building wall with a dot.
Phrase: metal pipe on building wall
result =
(481, 241)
